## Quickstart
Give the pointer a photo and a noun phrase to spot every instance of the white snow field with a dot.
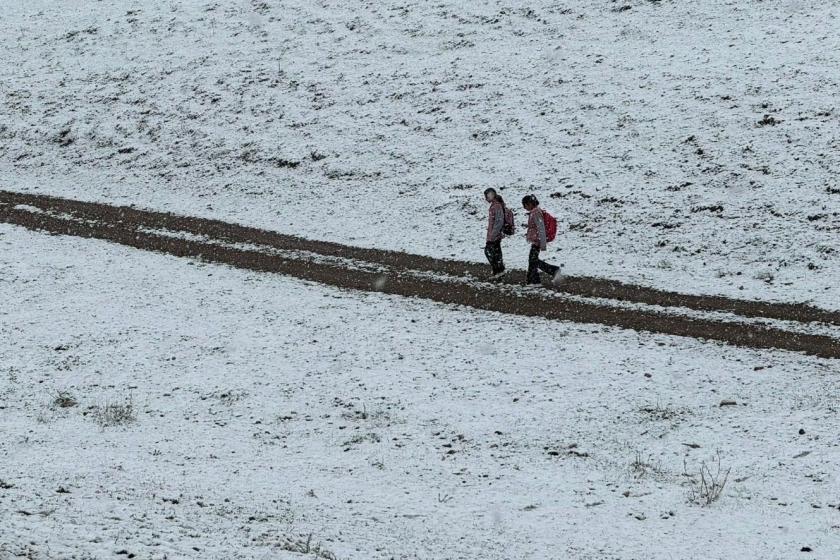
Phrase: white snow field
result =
(266, 411)
(688, 145)
(153, 407)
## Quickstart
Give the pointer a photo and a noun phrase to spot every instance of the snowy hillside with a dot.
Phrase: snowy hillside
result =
(685, 145)
(265, 410)
(186, 389)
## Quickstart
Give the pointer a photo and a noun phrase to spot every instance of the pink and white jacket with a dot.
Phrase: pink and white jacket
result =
(536, 229)
(495, 222)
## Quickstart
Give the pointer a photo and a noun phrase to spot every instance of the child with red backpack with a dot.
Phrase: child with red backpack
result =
(499, 224)
(542, 228)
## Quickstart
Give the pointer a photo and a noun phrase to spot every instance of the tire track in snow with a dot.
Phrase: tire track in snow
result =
(579, 286)
(450, 282)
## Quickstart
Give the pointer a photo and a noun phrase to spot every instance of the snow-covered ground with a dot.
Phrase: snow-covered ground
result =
(267, 409)
(686, 145)
(155, 407)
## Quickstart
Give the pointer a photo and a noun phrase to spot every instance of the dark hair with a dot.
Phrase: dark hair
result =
(530, 199)
(496, 196)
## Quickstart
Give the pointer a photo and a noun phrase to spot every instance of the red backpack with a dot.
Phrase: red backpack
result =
(550, 226)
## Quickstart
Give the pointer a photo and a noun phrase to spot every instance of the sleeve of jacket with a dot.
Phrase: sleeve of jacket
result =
(538, 219)
(498, 222)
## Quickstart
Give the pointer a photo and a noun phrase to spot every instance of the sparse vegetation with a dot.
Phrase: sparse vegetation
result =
(64, 399)
(306, 546)
(764, 276)
(659, 411)
(708, 485)
(230, 397)
(356, 414)
(361, 438)
(643, 466)
(769, 120)
(115, 413)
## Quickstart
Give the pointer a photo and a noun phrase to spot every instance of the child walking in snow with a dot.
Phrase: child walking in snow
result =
(495, 232)
(538, 239)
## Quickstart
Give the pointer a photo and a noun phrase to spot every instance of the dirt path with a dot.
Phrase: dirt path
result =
(403, 274)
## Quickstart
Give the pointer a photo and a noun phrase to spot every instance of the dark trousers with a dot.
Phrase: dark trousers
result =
(535, 265)
(493, 252)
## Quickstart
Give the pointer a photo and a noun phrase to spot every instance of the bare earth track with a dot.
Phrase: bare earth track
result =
(445, 281)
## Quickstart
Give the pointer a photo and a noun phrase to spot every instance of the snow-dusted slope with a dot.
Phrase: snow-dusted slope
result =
(688, 145)
(268, 409)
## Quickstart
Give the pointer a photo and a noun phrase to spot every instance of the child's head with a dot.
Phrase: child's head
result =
(529, 202)
(490, 194)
